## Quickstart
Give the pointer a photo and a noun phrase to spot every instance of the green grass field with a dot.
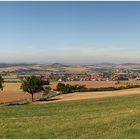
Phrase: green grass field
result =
(115, 117)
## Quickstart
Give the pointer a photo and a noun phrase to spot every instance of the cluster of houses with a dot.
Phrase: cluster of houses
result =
(86, 77)
(96, 76)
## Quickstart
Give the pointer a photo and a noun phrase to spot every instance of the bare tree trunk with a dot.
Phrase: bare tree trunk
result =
(32, 97)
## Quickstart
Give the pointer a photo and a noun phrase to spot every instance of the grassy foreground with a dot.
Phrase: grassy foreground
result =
(115, 117)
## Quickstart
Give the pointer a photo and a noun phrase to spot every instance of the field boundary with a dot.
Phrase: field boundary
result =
(29, 100)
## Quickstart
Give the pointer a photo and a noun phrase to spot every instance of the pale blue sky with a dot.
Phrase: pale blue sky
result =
(70, 32)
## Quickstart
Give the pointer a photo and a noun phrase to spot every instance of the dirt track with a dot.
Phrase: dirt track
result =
(91, 95)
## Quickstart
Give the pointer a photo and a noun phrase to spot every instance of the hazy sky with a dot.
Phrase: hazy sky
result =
(70, 32)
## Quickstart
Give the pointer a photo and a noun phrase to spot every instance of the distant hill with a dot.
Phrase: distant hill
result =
(26, 67)
(129, 64)
(4, 65)
(58, 65)
(106, 63)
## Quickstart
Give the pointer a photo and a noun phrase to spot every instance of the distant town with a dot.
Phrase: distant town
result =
(60, 72)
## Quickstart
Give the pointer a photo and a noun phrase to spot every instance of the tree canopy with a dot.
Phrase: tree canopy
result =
(32, 85)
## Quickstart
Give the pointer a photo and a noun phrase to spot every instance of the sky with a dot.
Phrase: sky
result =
(70, 32)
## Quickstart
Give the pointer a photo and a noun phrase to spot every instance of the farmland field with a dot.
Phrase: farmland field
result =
(113, 117)
(90, 95)
(12, 91)
(96, 84)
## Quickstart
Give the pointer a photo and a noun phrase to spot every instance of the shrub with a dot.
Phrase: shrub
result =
(69, 88)
(47, 90)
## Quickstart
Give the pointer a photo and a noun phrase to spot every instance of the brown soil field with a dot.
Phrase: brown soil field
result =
(90, 95)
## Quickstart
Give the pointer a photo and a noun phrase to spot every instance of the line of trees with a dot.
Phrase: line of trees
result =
(66, 88)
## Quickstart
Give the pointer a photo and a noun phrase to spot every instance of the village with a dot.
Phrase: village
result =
(58, 72)
(116, 75)
(92, 77)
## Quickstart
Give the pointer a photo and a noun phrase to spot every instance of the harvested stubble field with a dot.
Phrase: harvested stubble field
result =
(90, 95)
(12, 91)
(77, 69)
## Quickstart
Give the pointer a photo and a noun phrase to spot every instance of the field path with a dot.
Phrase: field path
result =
(90, 95)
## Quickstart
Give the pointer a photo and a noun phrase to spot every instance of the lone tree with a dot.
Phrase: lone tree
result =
(1, 82)
(32, 85)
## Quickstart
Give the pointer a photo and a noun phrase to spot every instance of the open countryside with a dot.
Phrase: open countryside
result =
(102, 114)
(92, 109)
(69, 70)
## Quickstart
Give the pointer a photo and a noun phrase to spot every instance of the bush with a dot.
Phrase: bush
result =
(69, 88)
(46, 82)
(47, 90)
